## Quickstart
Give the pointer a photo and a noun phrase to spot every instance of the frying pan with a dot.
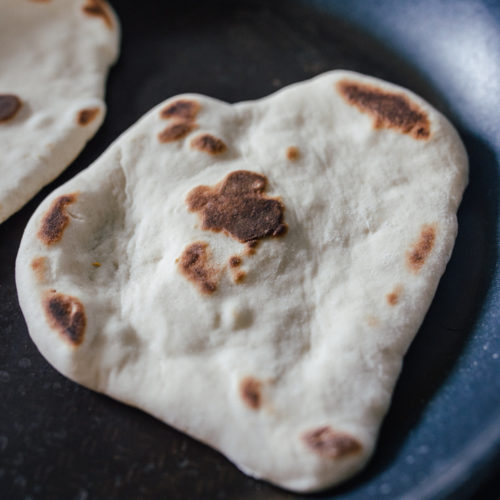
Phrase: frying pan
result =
(441, 437)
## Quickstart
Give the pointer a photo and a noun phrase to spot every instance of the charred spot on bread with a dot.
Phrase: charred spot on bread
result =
(10, 104)
(194, 265)
(238, 207)
(208, 143)
(184, 109)
(393, 297)
(85, 116)
(391, 110)
(251, 392)
(329, 443)
(65, 314)
(176, 131)
(292, 153)
(55, 219)
(418, 253)
(235, 261)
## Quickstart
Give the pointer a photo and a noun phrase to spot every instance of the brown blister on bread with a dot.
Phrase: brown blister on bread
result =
(388, 109)
(239, 277)
(194, 265)
(176, 131)
(331, 444)
(417, 255)
(251, 247)
(39, 267)
(235, 261)
(65, 314)
(393, 297)
(184, 109)
(209, 144)
(292, 153)
(10, 104)
(55, 220)
(237, 206)
(98, 8)
(85, 116)
(251, 392)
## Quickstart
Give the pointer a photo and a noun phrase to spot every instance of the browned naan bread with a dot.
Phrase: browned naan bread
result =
(54, 56)
(253, 274)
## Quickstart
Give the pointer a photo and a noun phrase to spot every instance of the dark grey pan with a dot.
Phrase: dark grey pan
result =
(441, 438)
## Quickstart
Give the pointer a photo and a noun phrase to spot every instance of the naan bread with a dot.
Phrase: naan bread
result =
(54, 56)
(253, 274)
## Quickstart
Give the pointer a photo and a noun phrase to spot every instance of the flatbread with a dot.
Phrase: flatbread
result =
(253, 274)
(54, 56)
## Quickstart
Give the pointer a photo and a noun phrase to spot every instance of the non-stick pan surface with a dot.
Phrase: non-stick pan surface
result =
(441, 437)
